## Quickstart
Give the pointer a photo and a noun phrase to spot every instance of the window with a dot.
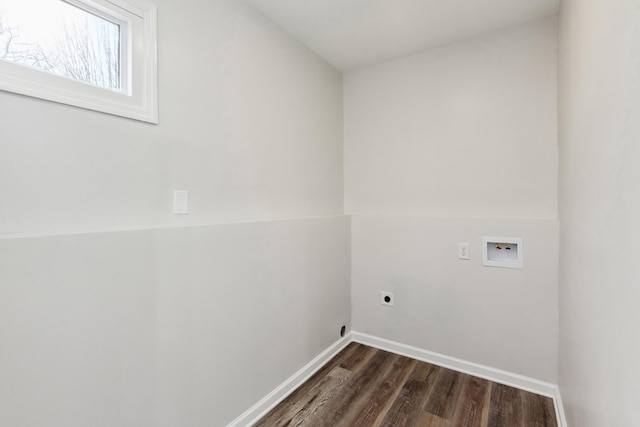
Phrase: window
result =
(95, 54)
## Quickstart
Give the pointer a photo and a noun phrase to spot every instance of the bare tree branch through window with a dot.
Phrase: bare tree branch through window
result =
(83, 47)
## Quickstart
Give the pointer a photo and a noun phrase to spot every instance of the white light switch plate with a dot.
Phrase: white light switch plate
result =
(180, 202)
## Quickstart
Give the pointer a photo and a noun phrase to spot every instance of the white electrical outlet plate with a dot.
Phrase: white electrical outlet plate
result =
(463, 251)
(386, 298)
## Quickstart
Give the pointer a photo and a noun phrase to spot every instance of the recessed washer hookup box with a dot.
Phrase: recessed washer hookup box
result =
(504, 252)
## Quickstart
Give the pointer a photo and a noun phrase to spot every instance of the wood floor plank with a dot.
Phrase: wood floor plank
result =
(407, 407)
(444, 394)
(351, 397)
(337, 360)
(378, 403)
(505, 407)
(314, 386)
(324, 394)
(358, 355)
(538, 411)
(472, 409)
(427, 419)
(366, 387)
(351, 358)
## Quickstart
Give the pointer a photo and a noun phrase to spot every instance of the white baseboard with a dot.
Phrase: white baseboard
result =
(557, 402)
(486, 372)
(260, 409)
(257, 411)
(495, 375)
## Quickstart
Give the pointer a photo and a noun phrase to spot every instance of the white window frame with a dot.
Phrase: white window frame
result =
(138, 98)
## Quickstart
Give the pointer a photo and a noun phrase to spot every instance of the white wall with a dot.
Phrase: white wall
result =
(104, 325)
(173, 327)
(431, 142)
(467, 130)
(113, 327)
(250, 124)
(599, 210)
(497, 317)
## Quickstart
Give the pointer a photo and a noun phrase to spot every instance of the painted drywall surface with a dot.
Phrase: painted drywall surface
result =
(186, 326)
(250, 124)
(599, 106)
(259, 303)
(174, 326)
(467, 130)
(77, 316)
(498, 317)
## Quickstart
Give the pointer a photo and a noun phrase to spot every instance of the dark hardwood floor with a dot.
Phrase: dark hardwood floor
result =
(364, 386)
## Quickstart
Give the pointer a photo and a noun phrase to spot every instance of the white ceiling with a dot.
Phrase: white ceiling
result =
(353, 34)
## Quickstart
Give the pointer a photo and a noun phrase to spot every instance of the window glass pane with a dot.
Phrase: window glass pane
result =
(57, 37)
